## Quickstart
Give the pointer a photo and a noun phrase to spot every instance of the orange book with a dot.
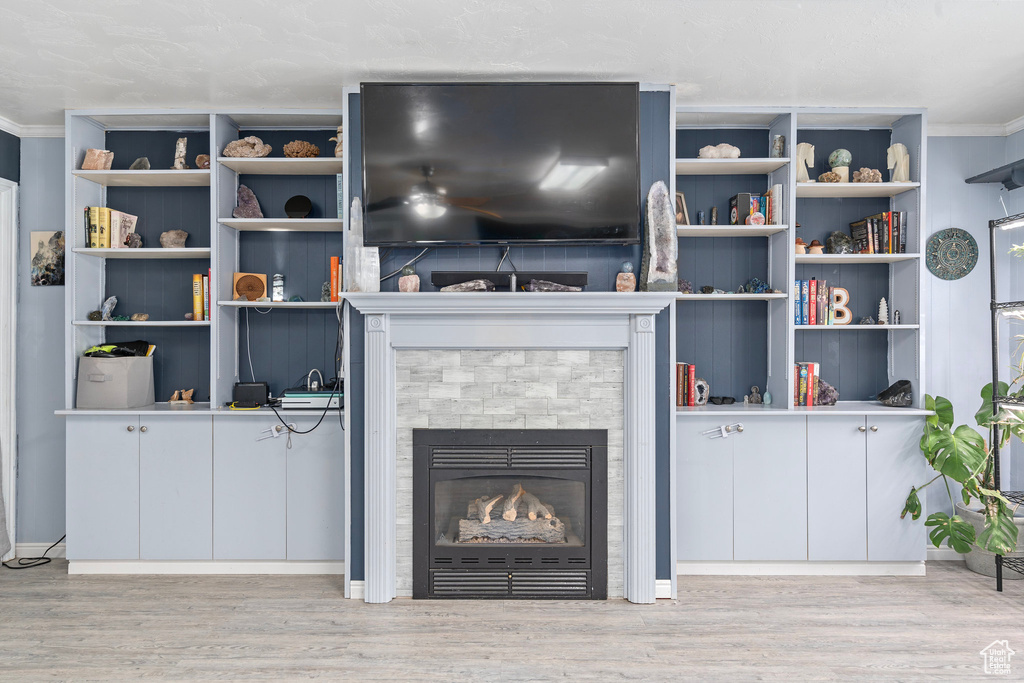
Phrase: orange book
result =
(197, 296)
(334, 278)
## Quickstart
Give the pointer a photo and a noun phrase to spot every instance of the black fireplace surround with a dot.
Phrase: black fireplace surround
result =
(510, 513)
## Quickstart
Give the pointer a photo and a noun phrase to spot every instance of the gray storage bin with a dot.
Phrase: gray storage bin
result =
(115, 383)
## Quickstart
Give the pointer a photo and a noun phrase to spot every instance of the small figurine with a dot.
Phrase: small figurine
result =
(179, 155)
(883, 312)
(815, 247)
(897, 159)
(804, 159)
(714, 215)
(755, 397)
(338, 142)
(801, 246)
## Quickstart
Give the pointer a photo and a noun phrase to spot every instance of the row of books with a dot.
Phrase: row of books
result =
(106, 228)
(686, 378)
(201, 295)
(815, 303)
(883, 233)
(805, 384)
(746, 204)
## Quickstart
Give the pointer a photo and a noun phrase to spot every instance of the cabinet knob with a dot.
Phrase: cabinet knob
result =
(874, 428)
(278, 428)
(739, 428)
(131, 428)
(862, 428)
(142, 429)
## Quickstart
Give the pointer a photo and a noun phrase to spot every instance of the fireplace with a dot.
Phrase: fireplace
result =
(510, 513)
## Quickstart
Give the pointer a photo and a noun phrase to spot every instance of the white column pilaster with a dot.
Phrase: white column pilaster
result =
(381, 465)
(639, 508)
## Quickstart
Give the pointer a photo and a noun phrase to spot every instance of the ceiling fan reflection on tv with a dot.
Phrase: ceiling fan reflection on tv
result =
(431, 201)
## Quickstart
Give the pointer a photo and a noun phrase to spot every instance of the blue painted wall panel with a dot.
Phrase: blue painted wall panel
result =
(753, 142)
(10, 156)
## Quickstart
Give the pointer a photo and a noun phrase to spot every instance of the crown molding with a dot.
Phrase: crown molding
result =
(1015, 126)
(953, 130)
(42, 131)
(8, 126)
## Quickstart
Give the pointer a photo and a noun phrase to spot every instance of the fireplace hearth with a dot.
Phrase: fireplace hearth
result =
(509, 513)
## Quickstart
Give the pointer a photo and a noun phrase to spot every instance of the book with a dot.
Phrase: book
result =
(104, 228)
(686, 384)
(206, 296)
(802, 394)
(809, 397)
(796, 302)
(776, 205)
(691, 379)
(121, 225)
(740, 207)
(197, 296)
(804, 302)
(796, 384)
(680, 373)
(94, 227)
(812, 302)
(820, 301)
(334, 278)
(903, 232)
(859, 235)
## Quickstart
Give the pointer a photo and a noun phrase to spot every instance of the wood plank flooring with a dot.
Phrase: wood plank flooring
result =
(101, 628)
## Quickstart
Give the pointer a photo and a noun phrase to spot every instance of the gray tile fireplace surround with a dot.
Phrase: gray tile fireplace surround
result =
(510, 360)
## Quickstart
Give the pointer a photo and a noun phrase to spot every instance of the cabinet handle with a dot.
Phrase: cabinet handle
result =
(874, 428)
(131, 428)
(142, 429)
(862, 428)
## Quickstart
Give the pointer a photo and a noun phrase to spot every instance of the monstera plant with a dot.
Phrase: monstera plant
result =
(963, 455)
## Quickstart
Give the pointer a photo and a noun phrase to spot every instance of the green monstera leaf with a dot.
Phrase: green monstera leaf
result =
(1011, 422)
(958, 534)
(943, 410)
(913, 506)
(958, 454)
(984, 414)
(1000, 533)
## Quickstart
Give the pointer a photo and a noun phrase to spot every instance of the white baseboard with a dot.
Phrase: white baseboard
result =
(203, 567)
(663, 589)
(357, 590)
(37, 549)
(800, 568)
(944, 555)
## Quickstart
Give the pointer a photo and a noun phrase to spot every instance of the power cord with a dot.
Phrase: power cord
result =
(29, 562)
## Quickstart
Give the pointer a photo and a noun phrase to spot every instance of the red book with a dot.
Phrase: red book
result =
(691, 390)
(810, 384)
(334, 278)
(812, 297)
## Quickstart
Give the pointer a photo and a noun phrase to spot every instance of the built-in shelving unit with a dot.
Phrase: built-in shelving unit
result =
(283, 166)
(735, 296)
(151, 178)
(853, 327)
(296, 305)
(854, 258)
(729, 230)
(284, 224)
(142, 323)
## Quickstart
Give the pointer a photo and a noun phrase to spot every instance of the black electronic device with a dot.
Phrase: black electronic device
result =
(448, 164)
(250, 394)
(443, 278)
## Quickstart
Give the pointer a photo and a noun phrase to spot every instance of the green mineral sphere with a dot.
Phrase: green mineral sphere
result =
(840, 157)
(408, 270)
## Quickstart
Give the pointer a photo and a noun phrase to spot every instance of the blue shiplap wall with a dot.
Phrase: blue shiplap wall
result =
(603, 263)
(10, 156)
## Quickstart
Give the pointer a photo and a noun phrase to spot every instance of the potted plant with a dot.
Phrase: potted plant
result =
(963, 455)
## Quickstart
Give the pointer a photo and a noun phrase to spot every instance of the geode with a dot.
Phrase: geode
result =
(839, 243)
(133, 240)
(684, 286)
(140, 164)
(899, 395)
(250, 147)
(173, 239)
(829, 177)
(828, 395)
(658, 269)
(547, 286)
(471, 286)
(108, 308)
(301, 149)
(248, 206)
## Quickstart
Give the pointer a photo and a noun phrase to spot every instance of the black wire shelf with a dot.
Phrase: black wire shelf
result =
(1014, 563)
(1015, 497)
(1004, 306)
(1011, 401)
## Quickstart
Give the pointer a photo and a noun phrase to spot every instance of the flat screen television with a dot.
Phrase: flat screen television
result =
(500, 163)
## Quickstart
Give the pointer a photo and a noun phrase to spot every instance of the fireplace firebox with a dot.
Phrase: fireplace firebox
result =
(510, 513)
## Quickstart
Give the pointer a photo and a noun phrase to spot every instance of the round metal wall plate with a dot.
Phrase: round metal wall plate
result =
(951, 254)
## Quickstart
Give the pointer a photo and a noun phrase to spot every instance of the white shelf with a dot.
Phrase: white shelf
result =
(163, 178)
(853, 189)
(285, 224)
(855, 258)
(781, 409)
(840, 328)
(283, 166)
(730, 297)
(728, 230)
(243, 303)
(145, 253)
(141, 323)
(858, 408)
(737, 408)
(728, 166)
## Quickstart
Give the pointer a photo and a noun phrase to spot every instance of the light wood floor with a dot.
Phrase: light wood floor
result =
(59, 627)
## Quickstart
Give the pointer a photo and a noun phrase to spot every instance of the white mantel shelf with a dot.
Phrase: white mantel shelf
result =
(476, 303)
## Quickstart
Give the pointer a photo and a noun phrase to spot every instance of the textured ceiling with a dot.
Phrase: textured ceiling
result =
(962, 60)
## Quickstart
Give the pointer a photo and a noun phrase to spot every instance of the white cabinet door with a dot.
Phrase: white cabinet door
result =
(770, 489)
(102, 468)
(316, 491)
(249, 481)
(895, 465)
(704, 480)
(176, 487)
(837, 523)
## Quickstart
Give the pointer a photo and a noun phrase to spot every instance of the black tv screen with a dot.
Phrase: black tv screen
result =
(500, 163)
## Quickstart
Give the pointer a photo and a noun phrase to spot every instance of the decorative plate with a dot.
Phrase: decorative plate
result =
(951, 254)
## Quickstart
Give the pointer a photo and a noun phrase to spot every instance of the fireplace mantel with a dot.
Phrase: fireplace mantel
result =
(511, 320)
